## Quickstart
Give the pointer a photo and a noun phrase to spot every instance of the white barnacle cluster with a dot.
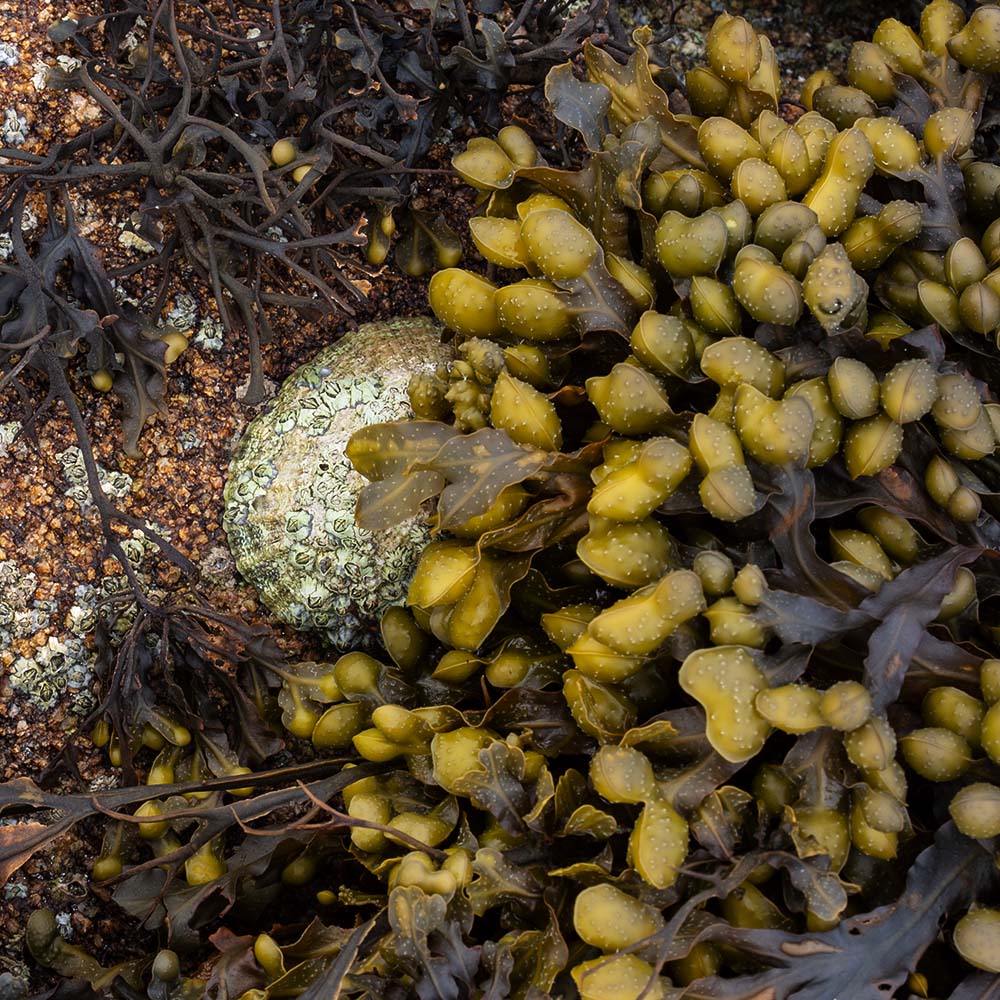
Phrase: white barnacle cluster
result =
(183, 315)
(92, 601)
(21, 615)
(189, 439)
(40, 74)
(8, 55)
(43, 74)
(253, 34)
(13, 128)
(136, 36)
(115, 484)
(8, 433)
(208, 336)
(28, 222)
(82, 615)
(61, 665)
(138, 545)
(291, 491)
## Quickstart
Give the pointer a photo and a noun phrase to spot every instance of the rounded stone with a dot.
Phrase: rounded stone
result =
(291, 492)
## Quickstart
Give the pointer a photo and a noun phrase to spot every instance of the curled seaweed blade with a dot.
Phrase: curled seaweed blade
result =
(602, 191)
(635, 95)
(580, 104)
(906, 606)
(867, 956)
(388, 455)
(477, 467)
(978, 986)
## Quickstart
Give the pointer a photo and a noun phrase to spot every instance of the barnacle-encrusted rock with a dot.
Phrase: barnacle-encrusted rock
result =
(291, 490)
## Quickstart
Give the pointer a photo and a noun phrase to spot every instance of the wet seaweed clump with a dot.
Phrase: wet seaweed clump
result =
(695, 689)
